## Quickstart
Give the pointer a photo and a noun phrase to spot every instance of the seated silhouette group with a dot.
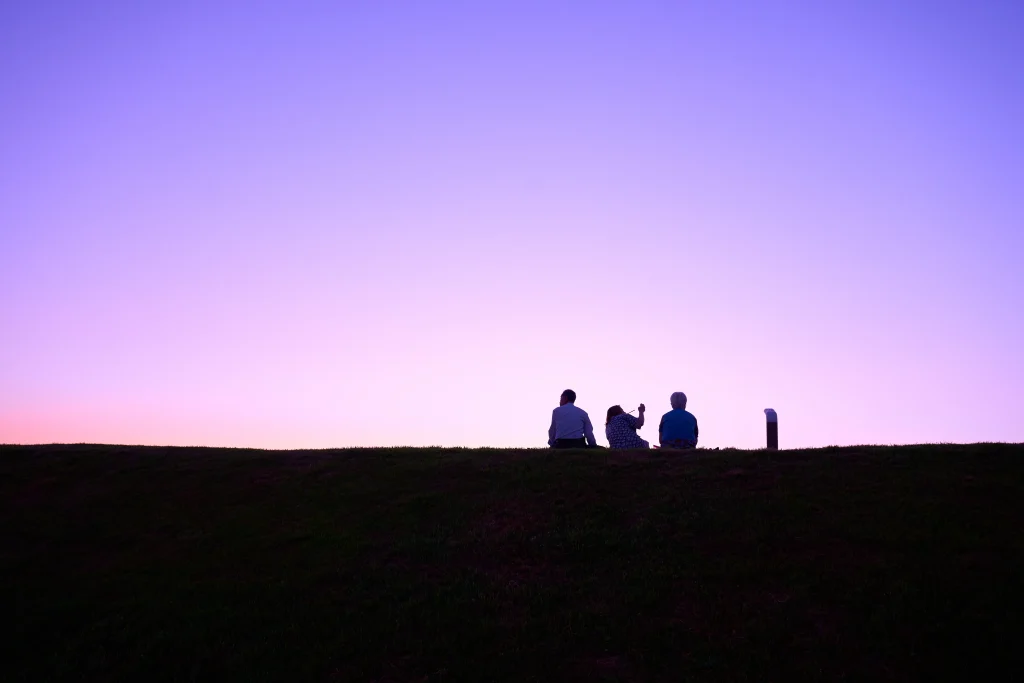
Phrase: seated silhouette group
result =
(571, 427)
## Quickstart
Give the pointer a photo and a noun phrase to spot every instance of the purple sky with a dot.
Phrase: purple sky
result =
(313, 224)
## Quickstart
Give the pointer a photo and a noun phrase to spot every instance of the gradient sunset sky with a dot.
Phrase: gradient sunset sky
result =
(318, 224)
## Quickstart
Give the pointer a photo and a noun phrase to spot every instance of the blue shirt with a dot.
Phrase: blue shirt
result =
(678, 425)
(570, 422)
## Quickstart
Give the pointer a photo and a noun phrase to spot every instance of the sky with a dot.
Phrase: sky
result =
(324, 224)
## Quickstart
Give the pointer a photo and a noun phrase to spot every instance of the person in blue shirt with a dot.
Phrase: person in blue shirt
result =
(678, 428)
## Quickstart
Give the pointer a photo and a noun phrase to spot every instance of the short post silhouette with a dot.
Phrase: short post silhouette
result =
(772, 425)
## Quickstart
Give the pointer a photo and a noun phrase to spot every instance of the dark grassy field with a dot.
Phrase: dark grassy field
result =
(131, 563)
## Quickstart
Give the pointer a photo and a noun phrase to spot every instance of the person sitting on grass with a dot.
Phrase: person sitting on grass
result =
(678, 428)
(570, 426)
(620, 428)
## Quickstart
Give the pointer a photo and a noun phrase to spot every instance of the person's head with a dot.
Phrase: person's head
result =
(678, 401)
(568, 396)
(612, 412)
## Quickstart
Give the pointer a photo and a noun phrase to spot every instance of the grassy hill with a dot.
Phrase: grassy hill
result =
(133, 563)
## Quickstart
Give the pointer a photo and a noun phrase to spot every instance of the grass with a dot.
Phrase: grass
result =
(181, 564)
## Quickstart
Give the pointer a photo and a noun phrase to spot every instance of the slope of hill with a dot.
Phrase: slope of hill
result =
(135, 563)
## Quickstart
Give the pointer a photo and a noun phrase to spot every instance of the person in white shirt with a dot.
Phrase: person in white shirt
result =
(570, 426)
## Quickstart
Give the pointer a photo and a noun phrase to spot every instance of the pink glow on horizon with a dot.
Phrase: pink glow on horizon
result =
(357, 225)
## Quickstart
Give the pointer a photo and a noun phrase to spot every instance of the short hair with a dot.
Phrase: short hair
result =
(614, 411)
(678, 401)
(569, 395)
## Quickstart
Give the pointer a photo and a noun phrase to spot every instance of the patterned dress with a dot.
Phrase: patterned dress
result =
(621, 433)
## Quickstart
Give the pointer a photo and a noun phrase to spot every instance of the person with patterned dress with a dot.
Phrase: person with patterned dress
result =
(620, 428)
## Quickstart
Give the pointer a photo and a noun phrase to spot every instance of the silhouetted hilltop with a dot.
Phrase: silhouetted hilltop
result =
(868, 563)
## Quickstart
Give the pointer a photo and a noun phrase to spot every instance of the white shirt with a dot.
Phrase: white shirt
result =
(570, 422)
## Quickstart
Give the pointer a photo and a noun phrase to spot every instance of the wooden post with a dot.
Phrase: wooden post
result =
(772, 424)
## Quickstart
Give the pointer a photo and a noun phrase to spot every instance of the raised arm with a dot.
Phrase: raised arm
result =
(640, 417)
